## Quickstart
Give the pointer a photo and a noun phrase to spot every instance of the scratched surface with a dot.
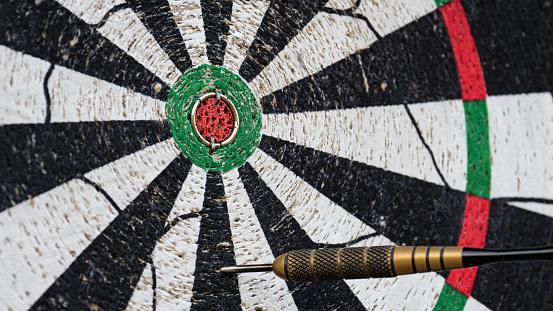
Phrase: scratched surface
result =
(371, 135)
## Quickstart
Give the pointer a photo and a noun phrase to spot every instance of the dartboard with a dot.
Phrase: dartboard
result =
(146, 144)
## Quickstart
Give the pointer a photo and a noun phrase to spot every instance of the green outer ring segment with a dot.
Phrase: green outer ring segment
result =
(191, 85)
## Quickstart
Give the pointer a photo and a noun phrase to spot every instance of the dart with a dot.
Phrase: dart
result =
(384, 261)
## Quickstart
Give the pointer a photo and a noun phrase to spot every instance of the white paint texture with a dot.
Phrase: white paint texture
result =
(263, 291)
(443, 128)
(475, 305)
(125, 178)
(323, 220)
(245, 20)
(21, 85)
(406, 292)
(143, 296)
(326, 39)
(340, 4)
(76, 97)
(386, 16)
(535, 207)
(191, 197)
(174, 258)
(90, 11)
(125, 30)
(42, 236)
(188, 16)
(380, 136)
(521, 143)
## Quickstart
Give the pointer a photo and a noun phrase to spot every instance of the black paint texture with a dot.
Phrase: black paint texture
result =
(216, 16)
(284, 234)
(522, 285)
(50, 32)
(514, 42)
(156, 15)
(414, 64)
(281, 23)
(404, 209)
(104, 275)
(38, 157)
(214, 290)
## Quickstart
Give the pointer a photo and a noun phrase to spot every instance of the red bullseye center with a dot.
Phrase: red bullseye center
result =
(214, 119)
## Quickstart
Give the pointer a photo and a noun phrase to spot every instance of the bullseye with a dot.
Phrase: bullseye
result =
(214, 120)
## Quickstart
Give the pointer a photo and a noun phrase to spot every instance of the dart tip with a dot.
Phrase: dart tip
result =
(247, 268)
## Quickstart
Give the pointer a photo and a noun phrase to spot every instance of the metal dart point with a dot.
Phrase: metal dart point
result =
(247, 268)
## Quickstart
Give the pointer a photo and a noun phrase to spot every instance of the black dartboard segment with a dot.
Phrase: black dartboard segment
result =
(213, 289)
(216, 16)
(514, 44)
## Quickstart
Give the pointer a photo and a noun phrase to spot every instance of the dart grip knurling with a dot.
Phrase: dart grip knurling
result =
(364, 262)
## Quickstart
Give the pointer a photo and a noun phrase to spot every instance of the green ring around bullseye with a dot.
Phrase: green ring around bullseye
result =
(191, 86)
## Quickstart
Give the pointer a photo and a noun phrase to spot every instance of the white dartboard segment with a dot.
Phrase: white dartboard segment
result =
(323, 220)
(521, 143)
(42, 236)
(405, 292)
(188, 16)
(174, 256)
(387, 16)
(443, 128)
(76, 97)
(174, 259)
(382, 136)
(475, 305)
(251, 247)
(191, 196)
(125, 178)
(143, 295)
(22, 87)
(327, 39)
(125, 30)
(545, 209)
(246, 18)
(341, 4)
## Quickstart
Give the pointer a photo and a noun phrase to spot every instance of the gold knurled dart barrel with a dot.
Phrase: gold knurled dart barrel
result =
(364, 262)
(385, 261)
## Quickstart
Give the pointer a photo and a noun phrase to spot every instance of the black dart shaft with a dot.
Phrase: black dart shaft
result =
(384, 261)
(477, 257)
